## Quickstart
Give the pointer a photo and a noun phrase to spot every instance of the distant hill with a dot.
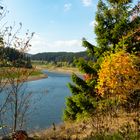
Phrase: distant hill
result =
(59, 56)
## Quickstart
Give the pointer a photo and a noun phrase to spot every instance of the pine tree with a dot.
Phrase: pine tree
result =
(132, 39)
(114, 28)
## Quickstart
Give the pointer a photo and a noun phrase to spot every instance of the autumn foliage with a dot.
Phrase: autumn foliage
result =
(119, 74)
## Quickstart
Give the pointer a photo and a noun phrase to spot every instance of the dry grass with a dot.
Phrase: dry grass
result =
(84, 129)
(52, 68)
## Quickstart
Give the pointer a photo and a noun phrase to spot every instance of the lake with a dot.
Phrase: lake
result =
(49, 95)
(47, 101)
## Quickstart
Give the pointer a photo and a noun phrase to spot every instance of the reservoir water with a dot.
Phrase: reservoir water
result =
(47, 102)
(49, 96)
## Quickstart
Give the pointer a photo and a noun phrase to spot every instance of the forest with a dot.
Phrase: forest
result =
(55, 57)
(12, 57)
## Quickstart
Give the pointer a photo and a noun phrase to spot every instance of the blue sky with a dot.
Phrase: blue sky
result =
(59, 25)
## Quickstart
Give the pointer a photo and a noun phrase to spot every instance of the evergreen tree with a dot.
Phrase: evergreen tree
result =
(112, 23)
(114, 28)
(132, 39)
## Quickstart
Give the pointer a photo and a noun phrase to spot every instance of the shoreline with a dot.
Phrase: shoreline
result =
(29, 79)
(65, 70)
(38, 77)
(61, 70)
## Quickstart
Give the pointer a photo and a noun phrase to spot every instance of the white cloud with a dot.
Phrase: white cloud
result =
(87, 2)
(43, 45)
(67, 6)
(67, 43)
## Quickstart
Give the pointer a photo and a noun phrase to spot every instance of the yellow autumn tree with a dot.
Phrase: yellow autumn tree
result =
(119, 74)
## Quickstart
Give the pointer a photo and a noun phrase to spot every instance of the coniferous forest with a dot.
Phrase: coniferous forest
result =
(56, 57)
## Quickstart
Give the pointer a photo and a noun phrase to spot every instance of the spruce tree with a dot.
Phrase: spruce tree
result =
(115, 27)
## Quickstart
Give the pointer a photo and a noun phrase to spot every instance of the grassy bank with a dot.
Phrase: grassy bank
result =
(122, 127)
(55, 68)
(36, 72)
(36, 75)
(12, 73)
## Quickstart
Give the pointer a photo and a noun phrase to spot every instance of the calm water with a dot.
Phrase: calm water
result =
(49, 100)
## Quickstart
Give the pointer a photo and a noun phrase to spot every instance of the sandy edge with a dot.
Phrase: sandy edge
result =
(63, 70)
(38, 77)
(55, 70)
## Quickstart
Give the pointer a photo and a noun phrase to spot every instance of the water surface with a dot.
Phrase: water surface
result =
(49, 99)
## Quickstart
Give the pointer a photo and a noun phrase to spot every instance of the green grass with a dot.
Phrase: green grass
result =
(9, 73)
(36, 73)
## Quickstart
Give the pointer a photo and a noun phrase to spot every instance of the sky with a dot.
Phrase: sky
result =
(59, 25)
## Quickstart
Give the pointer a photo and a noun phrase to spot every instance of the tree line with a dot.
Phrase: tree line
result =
(55, 57)
(12, 57)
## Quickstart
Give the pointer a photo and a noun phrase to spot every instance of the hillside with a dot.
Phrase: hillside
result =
(58, 56)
